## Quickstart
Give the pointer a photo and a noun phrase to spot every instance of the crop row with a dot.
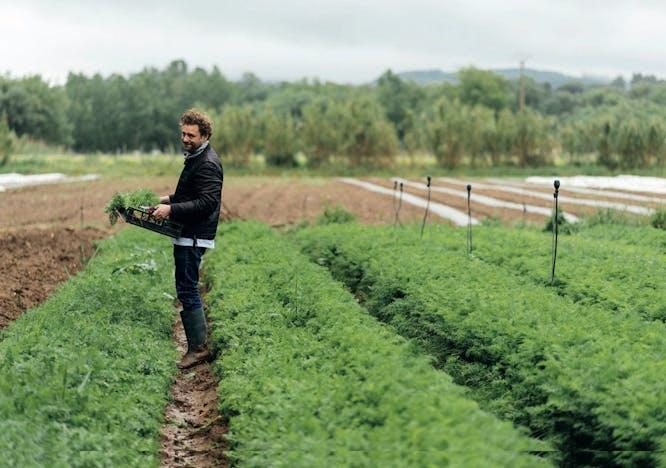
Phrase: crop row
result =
(590, 271)
(588, 379)
(645, 236)
(308, 378)
(85, 377)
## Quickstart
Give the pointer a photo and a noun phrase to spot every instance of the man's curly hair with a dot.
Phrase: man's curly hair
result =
(201, 120)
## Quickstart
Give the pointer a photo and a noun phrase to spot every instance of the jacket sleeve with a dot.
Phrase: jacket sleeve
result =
(209, 187)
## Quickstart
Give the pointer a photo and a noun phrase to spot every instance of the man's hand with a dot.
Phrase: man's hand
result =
(162, 211)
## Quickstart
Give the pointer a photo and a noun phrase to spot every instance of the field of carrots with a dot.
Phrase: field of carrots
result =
(350, 327)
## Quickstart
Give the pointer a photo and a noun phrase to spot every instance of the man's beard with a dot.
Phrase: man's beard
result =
(189, 147)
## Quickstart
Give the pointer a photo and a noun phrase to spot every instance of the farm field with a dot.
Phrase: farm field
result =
(357, 343)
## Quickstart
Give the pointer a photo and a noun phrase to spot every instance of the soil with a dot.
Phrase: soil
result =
(43, 228)
(193, 431)
(479, 211)
(34, 261)
(588, 196)
(73, 204)
(58, 220)
(283, 201)
(579, 210)
(47, 234)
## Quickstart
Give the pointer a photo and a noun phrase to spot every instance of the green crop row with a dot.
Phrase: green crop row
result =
(590, 271)
(308, 378)
(651, 239)
(85, 377)
(589, 380)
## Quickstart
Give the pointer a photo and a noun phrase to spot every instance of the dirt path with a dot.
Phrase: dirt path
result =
(193, 431)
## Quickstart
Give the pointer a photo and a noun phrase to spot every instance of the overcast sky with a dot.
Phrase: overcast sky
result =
(337, 40)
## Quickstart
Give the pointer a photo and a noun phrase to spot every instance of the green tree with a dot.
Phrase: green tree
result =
(398, 98)
(6, 141)
(444, 131)
(35, 109)
(235, 134)
(279, 139)
(481, 87)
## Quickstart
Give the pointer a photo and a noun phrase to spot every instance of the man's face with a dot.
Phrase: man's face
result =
(190, 137)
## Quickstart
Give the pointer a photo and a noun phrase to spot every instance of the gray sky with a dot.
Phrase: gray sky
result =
(337, 40)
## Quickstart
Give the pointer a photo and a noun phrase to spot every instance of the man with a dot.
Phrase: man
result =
(196, 205)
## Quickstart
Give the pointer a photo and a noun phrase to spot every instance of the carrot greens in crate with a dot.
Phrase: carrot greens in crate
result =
(135, 199)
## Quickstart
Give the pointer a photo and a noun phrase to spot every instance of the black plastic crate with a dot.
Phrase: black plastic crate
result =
(143, 219)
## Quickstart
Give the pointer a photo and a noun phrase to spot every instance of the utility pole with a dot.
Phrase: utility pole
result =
(522, 86)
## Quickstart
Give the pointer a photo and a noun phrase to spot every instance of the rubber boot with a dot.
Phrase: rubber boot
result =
(194, 323)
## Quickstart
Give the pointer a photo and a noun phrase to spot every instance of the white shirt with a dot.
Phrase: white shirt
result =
(187, 242)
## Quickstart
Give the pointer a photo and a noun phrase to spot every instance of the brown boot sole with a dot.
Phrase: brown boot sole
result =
(194, 359)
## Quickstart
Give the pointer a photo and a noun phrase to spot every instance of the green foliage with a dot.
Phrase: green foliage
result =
(474, 122)
(35, 109)
(531, 141)
(628, 134)
(85, 377)
(235, 134)
(658, 219)
(135, 199)
(335, 215)
(588, 379)
(564, 226)
(608, 217)
(608, 267)
(485, 88)
(308, 378)
(354, 128)
(6, 141)
(280, 139)
(398, 98)
(444, 129)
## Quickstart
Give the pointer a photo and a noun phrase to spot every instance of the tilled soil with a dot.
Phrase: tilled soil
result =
(34, 261)
(73, 204)
(274, 200)
(193, 431)
(43, 229)
(479, 211)
(579, 210)
(289, 201)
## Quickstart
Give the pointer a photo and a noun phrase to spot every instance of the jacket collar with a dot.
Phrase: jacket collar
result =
(196, 152)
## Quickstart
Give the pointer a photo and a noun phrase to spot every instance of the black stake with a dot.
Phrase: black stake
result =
(469, 218)
(395, 188)
(555, 230)
(397, 212)
(425, 215)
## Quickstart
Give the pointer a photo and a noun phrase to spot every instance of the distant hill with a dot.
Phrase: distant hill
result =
(425, 77)
(556, 79)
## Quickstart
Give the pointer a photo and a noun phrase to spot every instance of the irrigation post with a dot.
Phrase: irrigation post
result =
(395, 189)
(425, 215)
(397, 211)
(469, 218)
(555, 230)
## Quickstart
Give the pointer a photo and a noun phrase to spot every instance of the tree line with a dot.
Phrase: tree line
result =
(477, 121)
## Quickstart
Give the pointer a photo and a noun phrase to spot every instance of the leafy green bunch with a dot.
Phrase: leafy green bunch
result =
(120, 201)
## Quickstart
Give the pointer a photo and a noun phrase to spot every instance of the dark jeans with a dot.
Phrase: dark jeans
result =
(187, 260)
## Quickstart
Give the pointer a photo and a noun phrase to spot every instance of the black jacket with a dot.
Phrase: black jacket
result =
(196, 203)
